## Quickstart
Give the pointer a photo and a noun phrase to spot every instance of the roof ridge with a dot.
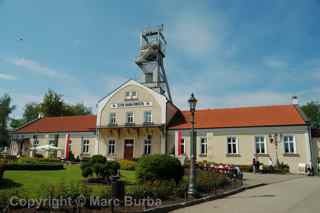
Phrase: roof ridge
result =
(241, 107)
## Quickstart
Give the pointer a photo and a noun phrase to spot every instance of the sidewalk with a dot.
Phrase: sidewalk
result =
(250, 179)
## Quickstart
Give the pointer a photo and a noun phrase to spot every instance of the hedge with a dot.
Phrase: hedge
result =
(38, 166)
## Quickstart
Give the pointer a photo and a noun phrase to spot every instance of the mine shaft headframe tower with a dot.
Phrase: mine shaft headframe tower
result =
(150, 60)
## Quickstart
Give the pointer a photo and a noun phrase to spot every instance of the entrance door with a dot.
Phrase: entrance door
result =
(128, 149)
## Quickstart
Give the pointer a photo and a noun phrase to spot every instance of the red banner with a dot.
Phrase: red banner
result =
(68, 143)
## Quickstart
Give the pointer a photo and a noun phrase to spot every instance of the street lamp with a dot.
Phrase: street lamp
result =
(192, 176)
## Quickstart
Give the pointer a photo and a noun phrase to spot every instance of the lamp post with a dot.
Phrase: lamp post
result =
(192, 176)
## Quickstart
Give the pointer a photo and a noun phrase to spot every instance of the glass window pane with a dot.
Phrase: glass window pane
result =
(234, 148)
(286, 147)
(229, 149)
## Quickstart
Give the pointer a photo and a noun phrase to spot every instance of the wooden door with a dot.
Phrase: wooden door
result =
(128, 149)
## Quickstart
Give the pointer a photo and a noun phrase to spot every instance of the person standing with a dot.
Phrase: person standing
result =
(254, 166)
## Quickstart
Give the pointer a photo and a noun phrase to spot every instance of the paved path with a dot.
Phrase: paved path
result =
(251, 179)
(298, 195)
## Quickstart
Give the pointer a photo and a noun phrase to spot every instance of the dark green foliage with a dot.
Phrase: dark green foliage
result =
(16, 123)
(312, 111)
(86, 172)
(77, 109)
(32, 166)
(160, 190)
(99, 166)
(51, 105)
(207, 181)
(159, 167)
(5, 110)
(98, 159)
(127, 164)
(2, 167)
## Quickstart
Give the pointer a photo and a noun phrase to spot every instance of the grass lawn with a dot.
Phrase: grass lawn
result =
(31, 181)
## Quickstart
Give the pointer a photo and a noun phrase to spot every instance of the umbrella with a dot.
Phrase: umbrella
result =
(46, 148)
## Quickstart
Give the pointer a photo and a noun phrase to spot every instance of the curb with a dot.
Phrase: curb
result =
(171, 207)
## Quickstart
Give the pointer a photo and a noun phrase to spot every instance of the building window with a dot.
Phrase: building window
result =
(147, 117)
(134, 95)
(203, 146)
(149, 77)
(147, 146)
(131, 95)
(289, 144)
(35, 141)
(128, 96)
(111, 147)
(113, 119)
(260, 145)
(232, 145)
(85, 146)
(183, 146)
(130, 119)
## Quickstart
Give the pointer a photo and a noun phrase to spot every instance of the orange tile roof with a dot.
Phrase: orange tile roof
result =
(280, 115)
(82, 123)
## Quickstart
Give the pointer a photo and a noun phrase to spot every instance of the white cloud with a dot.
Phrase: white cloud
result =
(276, 63)
(197, 34)
(39, 68)
(7, 76)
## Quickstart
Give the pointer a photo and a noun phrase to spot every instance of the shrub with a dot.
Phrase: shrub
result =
(99, 165)
(159, 167)
(98, 159)
(246, 168)
(34, 166)
(36, 160)
(64, 190)
(2, 167)
(158, 189)
(127, 164)
(86, 172)
(207, 181)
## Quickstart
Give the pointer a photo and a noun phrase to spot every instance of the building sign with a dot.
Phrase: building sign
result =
(131, 104)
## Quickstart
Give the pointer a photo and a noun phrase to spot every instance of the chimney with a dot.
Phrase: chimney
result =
(295, 100)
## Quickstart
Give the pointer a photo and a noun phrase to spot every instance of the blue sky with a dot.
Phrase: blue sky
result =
(229, 53)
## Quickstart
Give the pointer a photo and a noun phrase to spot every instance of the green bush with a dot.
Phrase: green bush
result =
(99, 166)
(246, 168)
(2, 168)
(86, 172)
(98, 159)
(127, 164)
(159, 167)
(207, 181)
(35, 160)
(34, 166)
(158, 189)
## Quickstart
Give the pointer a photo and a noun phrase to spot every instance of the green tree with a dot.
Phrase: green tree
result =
(312, 111)
(5, 109)
(52, 104)
(31, 111)
(77, 109)
(16, 123)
